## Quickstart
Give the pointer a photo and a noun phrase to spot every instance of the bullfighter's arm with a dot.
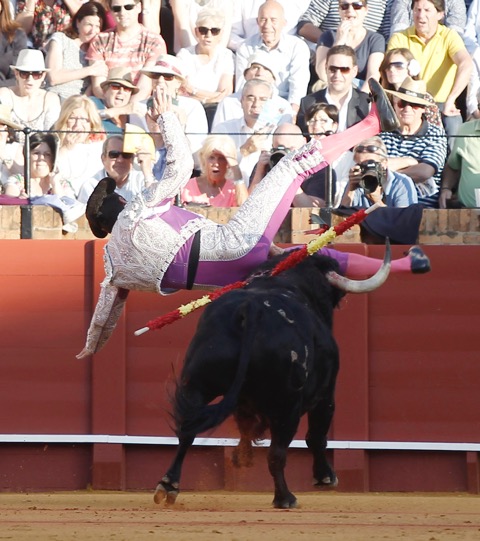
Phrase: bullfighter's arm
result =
(179, 158)
(107, 312)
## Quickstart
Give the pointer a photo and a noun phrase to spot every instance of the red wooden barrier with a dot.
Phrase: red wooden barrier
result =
(409, 377)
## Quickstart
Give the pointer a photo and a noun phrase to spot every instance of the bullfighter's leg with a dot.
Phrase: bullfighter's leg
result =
(169, 486)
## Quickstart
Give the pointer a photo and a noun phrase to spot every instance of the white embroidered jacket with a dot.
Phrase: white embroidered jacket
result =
(142, 244)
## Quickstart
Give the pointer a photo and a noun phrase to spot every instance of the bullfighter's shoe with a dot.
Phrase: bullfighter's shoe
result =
(419, 261)
(388, 118)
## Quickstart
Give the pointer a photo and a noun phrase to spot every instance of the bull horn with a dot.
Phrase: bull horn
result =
(363, 286)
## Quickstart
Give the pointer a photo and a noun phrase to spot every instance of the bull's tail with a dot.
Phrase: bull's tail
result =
(193, 419)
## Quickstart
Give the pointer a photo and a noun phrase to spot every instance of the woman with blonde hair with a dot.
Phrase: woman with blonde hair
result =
(80, 131)
(219, 184)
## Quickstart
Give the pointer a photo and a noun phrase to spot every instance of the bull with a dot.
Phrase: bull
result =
(269, 352)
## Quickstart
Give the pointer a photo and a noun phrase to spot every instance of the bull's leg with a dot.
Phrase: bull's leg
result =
(319, 420)
(282, 434)
(168, 488)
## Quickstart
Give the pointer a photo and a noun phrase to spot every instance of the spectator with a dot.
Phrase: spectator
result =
(12, 40)
(129, 45)
(323, 15)
(208, 65)
(81, 135)
(260, 66)
(169, 74)
(290, 54)
(396, 66)
(31, 105)
(66, 52)
(445, 63)
(369, 46)
(185, 13)
(370, 181)
(245, 13)
(353, 105)
(117, 107)
(455, 15)
(11, 151)
(45, 187)
(418, 149)
(41, 19)
(322, 121)
(118, 165)
(219, 184)
(471, 37)
(250, 135)
(461, 176)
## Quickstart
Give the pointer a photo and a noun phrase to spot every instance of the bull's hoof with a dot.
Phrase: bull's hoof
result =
(329, 481)
(289, 502)
(166, 491)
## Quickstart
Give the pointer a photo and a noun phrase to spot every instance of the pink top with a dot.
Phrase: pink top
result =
(226, 198)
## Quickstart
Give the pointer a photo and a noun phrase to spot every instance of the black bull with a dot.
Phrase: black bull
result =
(269, 351)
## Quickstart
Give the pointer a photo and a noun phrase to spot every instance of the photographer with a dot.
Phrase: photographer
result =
(370, 181)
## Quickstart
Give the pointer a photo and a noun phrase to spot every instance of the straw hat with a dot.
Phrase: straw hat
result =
(411, 91)
(265, 60)
(122, 77)
(30, 60)
(168, 64)
(6, 117)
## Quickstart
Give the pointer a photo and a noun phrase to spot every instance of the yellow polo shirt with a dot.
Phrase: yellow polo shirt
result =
(437, 67)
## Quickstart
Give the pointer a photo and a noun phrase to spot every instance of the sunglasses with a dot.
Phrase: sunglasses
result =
(204, 31)
(166, 76)
(26, 74)
(355, 5)
(402, 104)
(372, 149)
(126, 7)
(114, 154)
(397, 65)
(341, 69)
(117, 86)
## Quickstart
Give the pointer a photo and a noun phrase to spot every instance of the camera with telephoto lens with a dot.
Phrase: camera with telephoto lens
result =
(276, 154)
(373, 175)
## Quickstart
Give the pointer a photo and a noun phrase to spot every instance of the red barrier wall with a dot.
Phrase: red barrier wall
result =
(409, 375)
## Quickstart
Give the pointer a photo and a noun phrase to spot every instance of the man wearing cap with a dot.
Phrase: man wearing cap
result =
(260, 66)
(290, 54)
(370, 181)
(117, 105)
(159, 247)
(418, 149)
(130, 45)
(445, 63)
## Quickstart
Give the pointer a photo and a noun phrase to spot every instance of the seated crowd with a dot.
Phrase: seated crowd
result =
(250, 81)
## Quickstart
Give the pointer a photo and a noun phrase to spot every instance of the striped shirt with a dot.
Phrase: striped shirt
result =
(324, 14)
(428, 145)
(141, 50)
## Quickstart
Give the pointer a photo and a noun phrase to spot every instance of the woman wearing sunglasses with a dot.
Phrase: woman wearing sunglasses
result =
(369, 46)
(208, 64)
(31, 105)
(396, 66)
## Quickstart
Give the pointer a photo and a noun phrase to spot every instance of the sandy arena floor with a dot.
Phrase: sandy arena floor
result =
(207, 516)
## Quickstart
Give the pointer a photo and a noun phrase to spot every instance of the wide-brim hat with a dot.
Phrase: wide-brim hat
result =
(30, 60)
(94, 205)
(263, 59)
(166, 63)
(6, 117)
(412, 92)
(122, 77)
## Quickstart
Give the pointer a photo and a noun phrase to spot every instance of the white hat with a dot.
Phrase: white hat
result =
(263, 59)
(166, 63)
(30, 60)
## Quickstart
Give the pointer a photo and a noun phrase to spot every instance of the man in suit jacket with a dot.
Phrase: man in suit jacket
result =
(353, 105)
